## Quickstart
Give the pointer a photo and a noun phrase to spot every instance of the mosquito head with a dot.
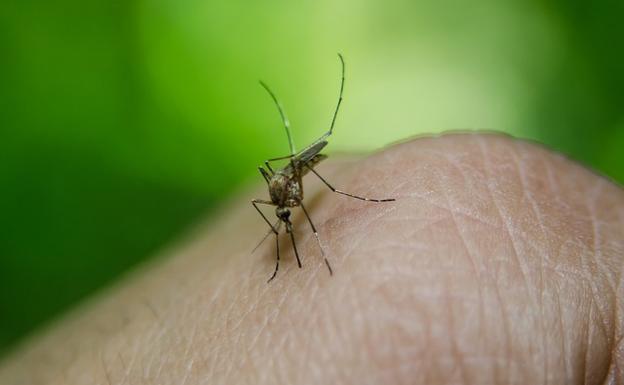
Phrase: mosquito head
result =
(283, 213)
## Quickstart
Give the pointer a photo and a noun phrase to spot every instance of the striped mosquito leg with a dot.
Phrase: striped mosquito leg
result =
(318, 240)
(278, 258)
(346, 193)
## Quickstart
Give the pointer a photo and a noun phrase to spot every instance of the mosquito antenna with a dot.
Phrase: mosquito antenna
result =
(276, 226)
(342, 81)
(284, 118)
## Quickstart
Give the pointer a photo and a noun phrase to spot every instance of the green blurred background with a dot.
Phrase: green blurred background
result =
(124, 122)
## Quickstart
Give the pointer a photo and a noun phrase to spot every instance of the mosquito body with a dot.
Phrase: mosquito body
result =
(286, 186)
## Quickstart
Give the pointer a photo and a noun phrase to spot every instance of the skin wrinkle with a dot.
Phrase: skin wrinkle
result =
(358, 241)
(229, 311)
(543, 328)
(527, 267)
(568, 374)
(125, 369)
(617, 373)
(152, 358)
(106, 373)
(597, 256)
(134, 350)
(352, 276)
(263, 325)
(527, 194)
(306, 353)
(480, 296)
(267, 320)
(212, 301)
(356, 300)
(617, 355)
(393, 357)
(471, 258)
(159, 367)
(505, 221)
(284, 298)
(185, 356)
(152, 309)
(459, 358)
(459, 211)
(130, 348)
(456, 209)
(552, 183)
(379, 317)
(589, 281)
(188, 305)
(501, 302)
(506, 333)
(587, 339)
(399, 355)
(186, 341)
(384, 350)
(597, 252)
(286, 344)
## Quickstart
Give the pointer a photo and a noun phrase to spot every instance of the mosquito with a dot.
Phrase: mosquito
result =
(286, 186)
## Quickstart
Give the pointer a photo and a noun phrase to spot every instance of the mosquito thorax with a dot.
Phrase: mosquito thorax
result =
(285, 190)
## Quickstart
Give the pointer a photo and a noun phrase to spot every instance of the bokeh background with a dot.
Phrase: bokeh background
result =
(122, 123)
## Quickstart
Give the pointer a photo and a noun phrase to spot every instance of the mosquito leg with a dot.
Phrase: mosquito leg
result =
(318, 240)
(278, 257)
(281, 158)
(292, 238)
(265, 174)
(346, 193)
(275, 226)
(268, 161)
(255, 202)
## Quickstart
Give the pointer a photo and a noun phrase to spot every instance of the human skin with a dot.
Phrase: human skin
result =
(499, 262)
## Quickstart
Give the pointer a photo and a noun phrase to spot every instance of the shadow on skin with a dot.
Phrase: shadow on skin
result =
(500, 262)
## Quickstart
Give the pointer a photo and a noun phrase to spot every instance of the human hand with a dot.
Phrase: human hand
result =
(500, 262)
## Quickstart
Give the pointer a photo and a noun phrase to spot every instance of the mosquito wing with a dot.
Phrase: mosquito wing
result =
(307, 154)
(306, 159)
(316, 159)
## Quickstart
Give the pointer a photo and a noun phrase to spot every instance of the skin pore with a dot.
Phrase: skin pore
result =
(500, 262)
